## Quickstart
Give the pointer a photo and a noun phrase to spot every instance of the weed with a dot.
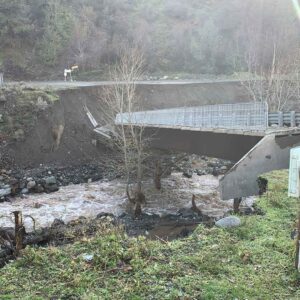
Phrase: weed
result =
(253, 261)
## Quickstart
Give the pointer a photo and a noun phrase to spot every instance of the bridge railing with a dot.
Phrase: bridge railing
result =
(244, 116)
(281, 119)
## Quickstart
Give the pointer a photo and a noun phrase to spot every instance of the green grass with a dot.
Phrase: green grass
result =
(254, 261)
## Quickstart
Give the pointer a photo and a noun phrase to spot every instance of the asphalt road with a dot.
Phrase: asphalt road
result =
(60, 85)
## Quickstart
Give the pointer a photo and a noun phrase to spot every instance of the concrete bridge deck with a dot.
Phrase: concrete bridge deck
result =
(238, 132)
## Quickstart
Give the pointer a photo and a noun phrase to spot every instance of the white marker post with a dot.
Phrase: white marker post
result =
(294, 191)
(297, 261)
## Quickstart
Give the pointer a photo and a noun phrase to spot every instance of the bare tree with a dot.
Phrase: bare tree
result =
(276, 83)
(120, 98)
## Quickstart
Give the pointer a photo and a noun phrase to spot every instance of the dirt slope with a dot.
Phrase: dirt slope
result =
(63, 134)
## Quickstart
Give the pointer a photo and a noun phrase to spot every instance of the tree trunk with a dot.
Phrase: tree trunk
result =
(157, 175)
(19, 232)
(236, 205)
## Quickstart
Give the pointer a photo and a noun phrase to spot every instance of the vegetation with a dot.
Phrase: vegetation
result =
(254, 261)
(21, 107)
(42, 37)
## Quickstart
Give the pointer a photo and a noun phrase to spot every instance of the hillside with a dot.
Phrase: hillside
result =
(39, 38)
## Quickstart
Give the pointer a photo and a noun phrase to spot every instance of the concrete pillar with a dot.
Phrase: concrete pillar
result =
(280, 119)
(293, 119)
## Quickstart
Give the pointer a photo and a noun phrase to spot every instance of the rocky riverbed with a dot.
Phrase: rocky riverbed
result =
(47, 179)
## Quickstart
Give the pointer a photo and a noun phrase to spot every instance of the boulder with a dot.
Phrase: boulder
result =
(229, 222)
(50, 184)
(31, 184)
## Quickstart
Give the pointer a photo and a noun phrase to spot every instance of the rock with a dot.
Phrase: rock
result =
(229, 222)
(50, 180)
(31, 184)
(246, 210)
(88, 257)
(22, 185)
(201, 172)
(104, 215)
(24, 191)
(5, 192)
(39, 188)
(50, 184)
(57, 222)
(188, 174)
(215, 172)
(37, 205)
(187, 213)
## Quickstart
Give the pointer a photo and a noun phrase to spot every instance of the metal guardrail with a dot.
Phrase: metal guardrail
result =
(242, 116)
(281, 119)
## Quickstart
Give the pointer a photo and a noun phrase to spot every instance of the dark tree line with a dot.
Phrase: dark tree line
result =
(41, 37)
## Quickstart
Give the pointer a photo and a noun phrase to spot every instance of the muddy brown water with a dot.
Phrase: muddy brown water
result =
(89, 200)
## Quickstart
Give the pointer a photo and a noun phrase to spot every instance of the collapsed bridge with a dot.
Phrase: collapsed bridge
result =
(258, 141)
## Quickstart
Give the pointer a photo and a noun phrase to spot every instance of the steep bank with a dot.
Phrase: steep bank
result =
(62, 134)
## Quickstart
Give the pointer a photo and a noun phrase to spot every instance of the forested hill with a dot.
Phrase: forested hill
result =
(39, 38)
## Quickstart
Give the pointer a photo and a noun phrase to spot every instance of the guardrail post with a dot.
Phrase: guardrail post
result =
(280, 119)
(248, 119)
(293, 119)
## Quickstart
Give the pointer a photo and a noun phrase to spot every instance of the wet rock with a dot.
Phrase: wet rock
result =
(37, 205)
(215, 172)
(201, 172)
(187, 213)
(104, 215)
(5, 192)
(188, 174)
(50, 180)
(57, 222)
(24, 191)
(39, 189)
(229, 222)
(31, 184)
(50, 184)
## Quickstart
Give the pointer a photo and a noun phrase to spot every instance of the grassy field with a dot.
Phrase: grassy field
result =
(254, 261)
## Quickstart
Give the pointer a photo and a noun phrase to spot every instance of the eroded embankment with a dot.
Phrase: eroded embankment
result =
(61, 133)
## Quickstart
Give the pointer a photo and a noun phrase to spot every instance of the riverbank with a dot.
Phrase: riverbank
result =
(253, 261)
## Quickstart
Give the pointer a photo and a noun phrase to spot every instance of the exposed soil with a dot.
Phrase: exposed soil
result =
(79, 144)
